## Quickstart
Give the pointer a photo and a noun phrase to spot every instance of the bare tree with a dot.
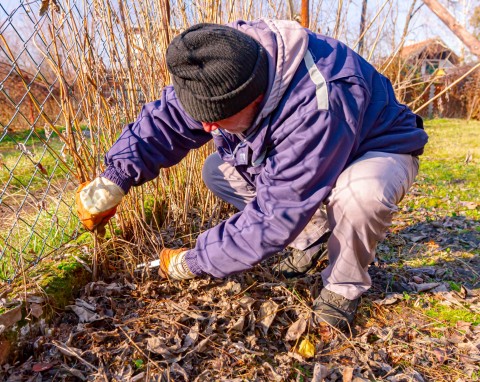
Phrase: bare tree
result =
(470, 41)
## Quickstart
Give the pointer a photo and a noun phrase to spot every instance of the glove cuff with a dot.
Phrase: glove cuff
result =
(100, 195)
(178, 268)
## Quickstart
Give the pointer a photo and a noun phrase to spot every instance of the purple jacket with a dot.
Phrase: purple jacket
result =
(325, 107)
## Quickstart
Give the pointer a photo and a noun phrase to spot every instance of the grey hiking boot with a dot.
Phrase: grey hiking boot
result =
(334, 309)
(299, 262)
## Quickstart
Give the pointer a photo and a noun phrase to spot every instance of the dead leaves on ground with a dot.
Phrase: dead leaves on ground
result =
(242, 329)
(255, 328)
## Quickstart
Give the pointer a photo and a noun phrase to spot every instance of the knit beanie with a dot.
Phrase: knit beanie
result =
(216, 70)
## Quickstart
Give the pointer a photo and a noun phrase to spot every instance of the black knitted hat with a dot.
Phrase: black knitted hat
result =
(216, 70)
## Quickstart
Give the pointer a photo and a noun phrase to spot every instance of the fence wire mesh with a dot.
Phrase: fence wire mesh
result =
(66, 88)
(35, 171)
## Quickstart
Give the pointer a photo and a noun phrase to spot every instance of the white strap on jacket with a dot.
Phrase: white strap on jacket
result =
(317, 78)
(100, 195)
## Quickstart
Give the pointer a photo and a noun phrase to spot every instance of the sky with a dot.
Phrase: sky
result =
(427, 25)
(424, 25)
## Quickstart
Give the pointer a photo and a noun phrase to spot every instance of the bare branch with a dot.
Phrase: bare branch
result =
(470, 41)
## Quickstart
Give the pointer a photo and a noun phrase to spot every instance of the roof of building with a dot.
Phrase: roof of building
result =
(433, 48)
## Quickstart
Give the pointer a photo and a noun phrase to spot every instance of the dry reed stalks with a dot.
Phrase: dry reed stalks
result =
(109, 59)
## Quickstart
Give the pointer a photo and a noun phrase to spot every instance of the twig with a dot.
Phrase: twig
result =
(95, 256)
(140, 350)
(448, 87)
(72, 353)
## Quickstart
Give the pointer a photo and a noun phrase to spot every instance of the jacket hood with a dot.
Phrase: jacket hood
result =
(286, 43)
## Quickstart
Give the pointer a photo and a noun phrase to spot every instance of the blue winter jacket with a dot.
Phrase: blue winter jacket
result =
(325, 107)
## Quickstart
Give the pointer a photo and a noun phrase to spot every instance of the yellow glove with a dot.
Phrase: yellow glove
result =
(97, 202)
(173, 264)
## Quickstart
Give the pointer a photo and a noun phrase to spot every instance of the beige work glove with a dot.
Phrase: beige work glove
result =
(97, 202)
(173, 264)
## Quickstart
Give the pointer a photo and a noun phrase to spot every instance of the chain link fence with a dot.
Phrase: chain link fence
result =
(66, 89)
(35, 170)
(72, 74)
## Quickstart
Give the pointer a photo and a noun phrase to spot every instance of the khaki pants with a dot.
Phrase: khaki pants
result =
(358, 212)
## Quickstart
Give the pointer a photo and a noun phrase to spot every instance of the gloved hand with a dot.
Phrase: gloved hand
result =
(173, 264)
(97, 202)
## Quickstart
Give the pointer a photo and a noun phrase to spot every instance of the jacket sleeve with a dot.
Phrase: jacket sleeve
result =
(160, 137)
(299, 174)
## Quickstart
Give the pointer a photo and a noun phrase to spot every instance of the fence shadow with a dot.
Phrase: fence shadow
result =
(438, 251)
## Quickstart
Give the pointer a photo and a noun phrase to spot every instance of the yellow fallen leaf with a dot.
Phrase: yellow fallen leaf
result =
(306, 349)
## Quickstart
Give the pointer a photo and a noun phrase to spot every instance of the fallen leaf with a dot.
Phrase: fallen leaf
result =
(418, 238)
(239, 324)
(157, 346)
(246, 302)
(267, 313)
(440, 354)
(469, 205)
(390, 299)
(138, 377)
(35, 299)
(347, 374)
(84, 314)
(306, 349)
(190, 338)
(11, 317)
(38, 367)
(442, 288)
(240, 346)
(231, 287)
(320, 372)
(276, 377)
(295, 330)
(201, 345)
(463, 326)
(36, 310)
(423, 287)
(176, 368)
(75, 372)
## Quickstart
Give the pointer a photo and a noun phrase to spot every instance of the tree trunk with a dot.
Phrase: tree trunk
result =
(304, 14)
(362, 27)
(443, 14)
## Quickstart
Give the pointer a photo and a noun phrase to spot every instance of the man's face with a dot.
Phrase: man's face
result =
(237, 123)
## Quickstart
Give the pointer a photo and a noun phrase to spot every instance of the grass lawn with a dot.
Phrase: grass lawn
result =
(449, 179)
(35, 200)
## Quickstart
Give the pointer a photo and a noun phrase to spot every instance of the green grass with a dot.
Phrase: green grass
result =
(34, 171)
(35, 233)
(446, 181)
(452, 139)
(450, 316)
(447, 186)
(29, 138)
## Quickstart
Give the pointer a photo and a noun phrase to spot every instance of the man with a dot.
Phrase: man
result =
(310, 138)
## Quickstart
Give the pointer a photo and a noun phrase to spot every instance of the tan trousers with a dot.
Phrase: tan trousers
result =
(358, 212)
